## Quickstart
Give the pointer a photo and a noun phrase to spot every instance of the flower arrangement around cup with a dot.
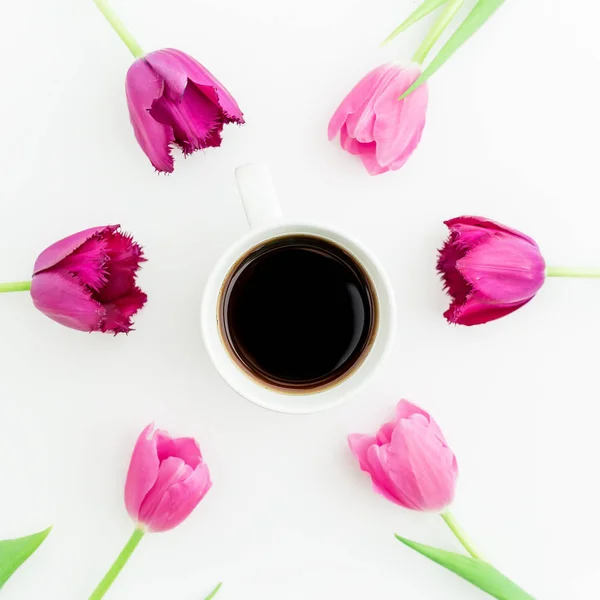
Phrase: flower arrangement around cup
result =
(88, 282)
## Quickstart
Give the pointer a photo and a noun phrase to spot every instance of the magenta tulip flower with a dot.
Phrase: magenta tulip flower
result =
(173, 100)
(87, 281)
(167, 479)
(490, 270)
(408, 460)
(375, 125)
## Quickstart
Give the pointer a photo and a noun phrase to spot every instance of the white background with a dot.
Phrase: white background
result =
(512, 134)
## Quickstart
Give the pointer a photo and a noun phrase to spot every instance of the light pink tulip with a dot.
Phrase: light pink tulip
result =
(173, 99)
(408, 460)
(375, 125)
(167, 478)
(490, 270)
(87, 281)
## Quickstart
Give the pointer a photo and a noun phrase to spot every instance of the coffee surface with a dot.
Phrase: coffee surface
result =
(298, 312)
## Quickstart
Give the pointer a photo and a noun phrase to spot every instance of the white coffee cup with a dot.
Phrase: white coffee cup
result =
(266, 223)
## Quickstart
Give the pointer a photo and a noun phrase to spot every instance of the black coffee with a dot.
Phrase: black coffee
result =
(298, 312)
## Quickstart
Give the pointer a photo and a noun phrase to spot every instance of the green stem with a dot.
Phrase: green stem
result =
(15, 286)
(428, 6)
(119, 27)
(118, 565)
(460, 534)
(436, 30)
(214, 592)
(570, 272)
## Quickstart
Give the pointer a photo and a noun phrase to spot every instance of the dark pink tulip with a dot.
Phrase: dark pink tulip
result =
(87, 280)
(489, 269)
(173, 99)
(408, 460)
(375, 125)
(167, 478)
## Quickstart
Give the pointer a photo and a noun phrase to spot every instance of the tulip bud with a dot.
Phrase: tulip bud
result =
(490, 270)
(87, 281)
(173, 99)
(375, 125)
(408, 460)
(167, 478)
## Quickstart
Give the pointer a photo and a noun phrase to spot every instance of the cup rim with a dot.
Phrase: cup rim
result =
(264, 395)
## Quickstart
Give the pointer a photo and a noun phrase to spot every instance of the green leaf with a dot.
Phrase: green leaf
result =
(478, 572)
(13, 553)
(482, 11)
(214, 592)
(421, 11)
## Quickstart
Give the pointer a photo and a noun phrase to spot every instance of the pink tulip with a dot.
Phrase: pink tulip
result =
(173, 99)
(374, 124)
(408, 460)
(167, 478)
(87, 280)
(490, 270)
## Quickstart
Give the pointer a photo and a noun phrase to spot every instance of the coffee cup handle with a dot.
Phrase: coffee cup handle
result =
(258, 195)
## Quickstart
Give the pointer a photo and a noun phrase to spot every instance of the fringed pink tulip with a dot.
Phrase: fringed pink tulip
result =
(167, 478)
(408, 460)
(378, 127)
(173, 99)
(87, 280)
(490, 270)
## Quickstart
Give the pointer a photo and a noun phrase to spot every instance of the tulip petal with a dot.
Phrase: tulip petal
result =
(358, 97)
(432, 462)
(359, 445)
(63, 248)
(384, 435)
(66, 301)
(366, 450)
(196, 122)
(361, 123)
(143, 471)
(176, 68)
(508, 270)
(87, 263)
(170, 471)
(180, 499)
(369, 160)
(350, 145)
(366, 152)
(476, 311)
(143, 87)
(375, 125)
(120, 311)
(124, 259)
(119, 295)
(187, 449)
(392, 478)
(465, 224)
(406, 409)
(399, 124)
(452, 251)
